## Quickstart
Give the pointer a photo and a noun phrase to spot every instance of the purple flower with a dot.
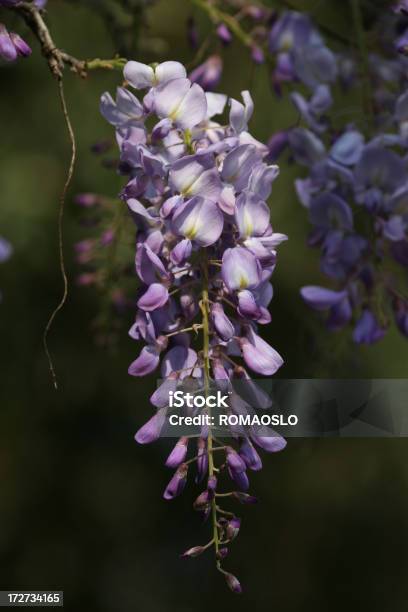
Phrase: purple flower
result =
(177, 483)
(208, 74)
(141, 76)
(320, 298)
(258, 355)
(205, 251)
(224, 34)
(23, 50)
(182, 102)
(178, 454)
(367, 329)
(240, 269)
(8, 50)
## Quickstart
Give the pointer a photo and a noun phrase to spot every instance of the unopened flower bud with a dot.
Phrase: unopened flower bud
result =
(178, 454)
(177, 483)
(257, 55)
(233, 583)
(21, 46)
(87, 199)
(222, 553)
(8, 51)
(233, 528)
(234, 461)
(224, 34)
(244, 498)
(202, 501)
(193, 552)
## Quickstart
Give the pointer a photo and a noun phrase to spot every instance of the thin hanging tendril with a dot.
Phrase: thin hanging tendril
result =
(60, 232)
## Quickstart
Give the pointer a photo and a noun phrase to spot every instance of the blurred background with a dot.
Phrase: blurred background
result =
(81, 506)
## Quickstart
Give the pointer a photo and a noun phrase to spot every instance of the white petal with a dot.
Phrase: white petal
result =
(139, 75)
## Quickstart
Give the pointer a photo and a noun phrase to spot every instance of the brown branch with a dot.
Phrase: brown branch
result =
(56, 58)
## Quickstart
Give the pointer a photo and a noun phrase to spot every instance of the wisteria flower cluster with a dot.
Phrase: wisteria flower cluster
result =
(356, 191)
(356, 197)
(205, 253)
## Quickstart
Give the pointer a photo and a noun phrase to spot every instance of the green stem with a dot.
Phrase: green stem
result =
(112, 64)
(206, 355)
(218, 16)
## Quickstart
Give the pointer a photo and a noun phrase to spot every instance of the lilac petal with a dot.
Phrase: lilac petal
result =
(196, 175)
(250, 456)
(177, 359)
(307, 148)
(215, 104)
(142, 215)
(126, 111)
(154, 240)
(240, 479)
(161, 130)
(259, 355)
(149, 266)
(170, 205)
(183, 103)
(199, 220)
(367, 329)
(255, 395)
(238, 165)
(233, 583)
(21, 46)
(276, 145)
(177, 483)
(380, 167)
(395, 228)
(181, 252)
(143, 328)
(247, 305)
(240, 269)
(208, 74)
(226, 200)
(261, 179)
(240, 114)
(252, 215)
(320, 298)
(202, 461)
(178, 454)
(348, 148)
(155, 297)
(167, 71)
(7, 50)
(330, 211)
(146, 363)
(141, 76)
(150, 431)
(340, 315)
(222, 324)
(267, 439)
(160, 397)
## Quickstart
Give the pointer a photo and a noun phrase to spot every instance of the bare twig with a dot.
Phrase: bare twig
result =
(60, 231)
(56, 58)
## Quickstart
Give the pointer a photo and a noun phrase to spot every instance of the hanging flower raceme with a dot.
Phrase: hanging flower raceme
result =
(205, 254)
(352, 179)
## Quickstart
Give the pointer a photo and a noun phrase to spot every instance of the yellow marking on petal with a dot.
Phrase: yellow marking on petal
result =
(248, 225)
(286, 42)
(243, 282)
(191, 230)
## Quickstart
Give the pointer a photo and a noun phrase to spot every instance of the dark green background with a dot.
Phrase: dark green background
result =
(80, 502)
